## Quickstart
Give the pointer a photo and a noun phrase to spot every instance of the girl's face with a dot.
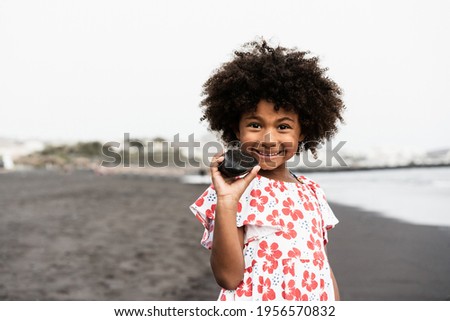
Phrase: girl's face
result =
(269, 135)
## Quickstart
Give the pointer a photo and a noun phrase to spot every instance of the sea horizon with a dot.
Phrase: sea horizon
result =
(412, 194)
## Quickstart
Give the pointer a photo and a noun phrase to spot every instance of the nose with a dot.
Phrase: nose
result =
(269, 140)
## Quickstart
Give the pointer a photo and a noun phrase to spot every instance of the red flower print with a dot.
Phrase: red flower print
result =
(290, 210)
(258, 200)
(270, 265)
(308, 281)
(201, 200)
(274, 218)
(210, 212)
(324, 295)
(288, 266)
(312, 244)
(290, 292)
(223, 297)
(245, 288)
(264, 288)
(319, 258)
(251, 219)
(280, 185)
(269, 189)
(239, 209)
(315, 227)
(270, 253)
(303, 197)
(287, 231)
(295, 253)
(309, 206)
(249, 269)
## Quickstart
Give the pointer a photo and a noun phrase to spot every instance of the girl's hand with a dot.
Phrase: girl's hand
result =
(231, 188)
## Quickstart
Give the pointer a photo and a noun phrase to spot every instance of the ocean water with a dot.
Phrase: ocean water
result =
(415, 195)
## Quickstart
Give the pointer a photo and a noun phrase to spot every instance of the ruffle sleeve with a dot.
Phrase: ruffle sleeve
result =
(204, 209)
(329, 220)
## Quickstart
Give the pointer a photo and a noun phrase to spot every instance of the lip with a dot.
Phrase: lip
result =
(268, 154)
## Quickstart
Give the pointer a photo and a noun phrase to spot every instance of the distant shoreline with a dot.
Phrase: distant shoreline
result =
(352, 169)
(134, 171)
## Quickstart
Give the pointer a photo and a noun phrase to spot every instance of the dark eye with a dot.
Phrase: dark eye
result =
(283, 127)
(254, 125)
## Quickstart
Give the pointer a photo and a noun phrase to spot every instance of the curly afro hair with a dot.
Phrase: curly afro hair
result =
(286, 77)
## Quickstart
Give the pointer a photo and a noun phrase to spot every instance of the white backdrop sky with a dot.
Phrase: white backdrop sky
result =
(84, 70)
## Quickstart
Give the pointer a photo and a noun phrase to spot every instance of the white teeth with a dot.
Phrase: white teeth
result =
(274, 154)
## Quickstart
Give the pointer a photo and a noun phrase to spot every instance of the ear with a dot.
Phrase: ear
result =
(301, 138)
(237, 133)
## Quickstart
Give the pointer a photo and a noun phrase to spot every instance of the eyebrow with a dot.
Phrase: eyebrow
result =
(286, 118)
(259, 118)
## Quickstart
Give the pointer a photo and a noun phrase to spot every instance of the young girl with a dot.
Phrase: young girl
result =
(267, 230)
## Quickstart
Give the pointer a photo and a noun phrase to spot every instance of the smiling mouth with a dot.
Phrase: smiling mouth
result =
(267, 154)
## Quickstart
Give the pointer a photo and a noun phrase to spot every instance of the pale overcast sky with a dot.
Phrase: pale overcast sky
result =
(97, 69)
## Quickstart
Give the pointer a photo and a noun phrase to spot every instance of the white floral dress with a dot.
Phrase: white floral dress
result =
(285, 232)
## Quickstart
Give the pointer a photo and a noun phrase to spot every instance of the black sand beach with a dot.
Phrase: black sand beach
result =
(85, 237)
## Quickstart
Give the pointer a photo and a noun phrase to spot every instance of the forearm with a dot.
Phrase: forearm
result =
(337, 295)
(227, 261)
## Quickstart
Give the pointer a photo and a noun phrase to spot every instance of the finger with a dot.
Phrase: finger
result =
(215, 162)
(215, 159)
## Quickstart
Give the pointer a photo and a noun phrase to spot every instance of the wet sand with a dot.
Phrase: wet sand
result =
(85, 237)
